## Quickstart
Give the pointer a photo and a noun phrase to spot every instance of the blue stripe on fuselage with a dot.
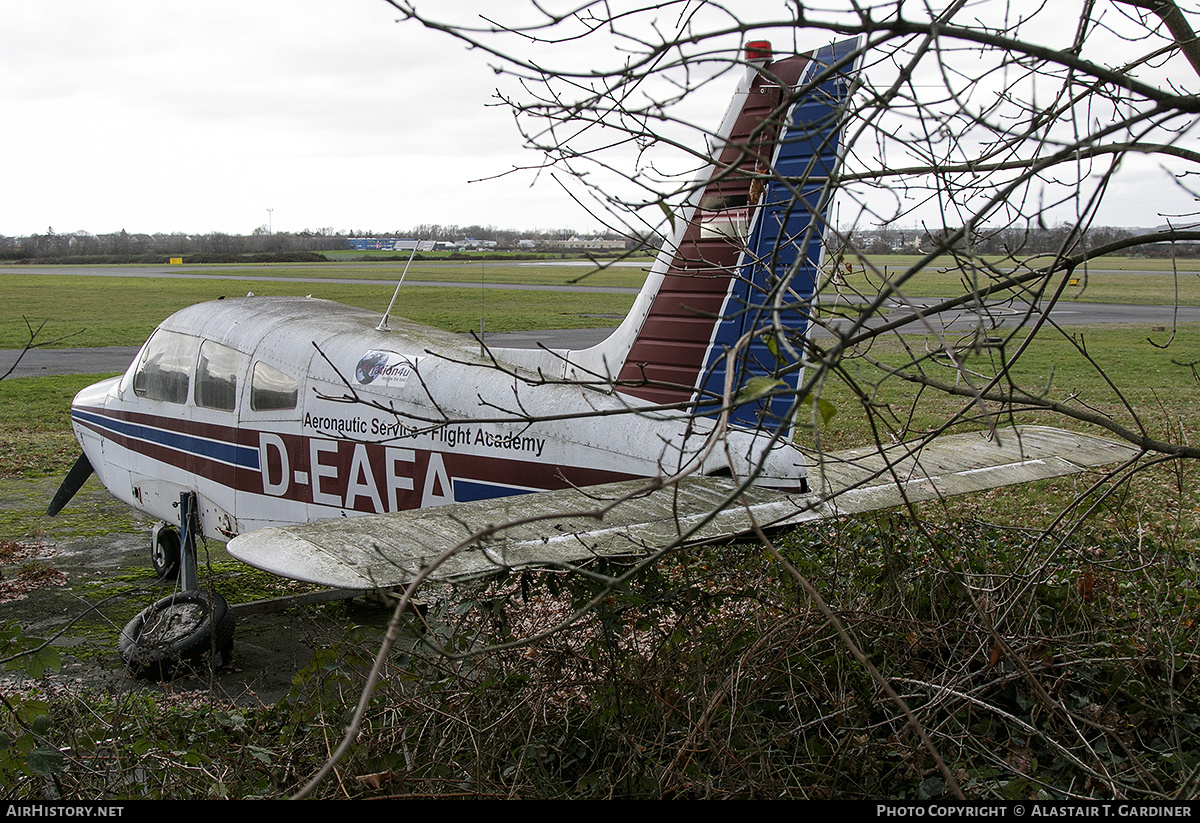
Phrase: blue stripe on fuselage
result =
(466, 491)
(221, 451)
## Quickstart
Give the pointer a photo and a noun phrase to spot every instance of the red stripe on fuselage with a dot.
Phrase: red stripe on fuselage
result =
(346, 474)
(185, 459)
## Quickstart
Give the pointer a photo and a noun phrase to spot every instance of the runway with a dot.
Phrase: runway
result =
(113, 359)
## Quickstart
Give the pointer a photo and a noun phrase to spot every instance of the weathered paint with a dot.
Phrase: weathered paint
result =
(390, 550)
(385, 421)
(412, 417)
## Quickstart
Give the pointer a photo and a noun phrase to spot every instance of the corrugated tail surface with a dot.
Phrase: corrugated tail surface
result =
(748, 258)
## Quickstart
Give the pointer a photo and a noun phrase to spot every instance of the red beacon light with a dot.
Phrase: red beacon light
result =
(758, 50)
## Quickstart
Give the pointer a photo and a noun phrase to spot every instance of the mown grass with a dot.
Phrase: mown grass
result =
(1137, 376)
(66, 304)
(391, 256)
(103, 311)
(1046, 637)
(1156, 391)
(545, 273)
(1106, 280)
(35, 425)
(1111, 262)
(1114, 372)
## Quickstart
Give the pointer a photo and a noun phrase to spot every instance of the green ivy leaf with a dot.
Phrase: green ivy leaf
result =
(45, 761)
(757, 387)
(40, 724)
(930, 788)
(772, 346)
(44, 660)
(667, 211)
(824, 408)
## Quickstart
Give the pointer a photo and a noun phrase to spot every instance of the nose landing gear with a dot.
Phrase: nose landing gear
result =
(187, 627)
(164, 551)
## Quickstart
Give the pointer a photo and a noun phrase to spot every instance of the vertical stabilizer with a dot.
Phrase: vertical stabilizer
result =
(745, 253)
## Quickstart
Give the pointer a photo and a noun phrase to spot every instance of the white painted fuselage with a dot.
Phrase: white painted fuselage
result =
(287, 410)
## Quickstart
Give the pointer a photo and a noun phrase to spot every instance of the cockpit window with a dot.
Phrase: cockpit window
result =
(271, 389)
(216, 376)
(165, 366)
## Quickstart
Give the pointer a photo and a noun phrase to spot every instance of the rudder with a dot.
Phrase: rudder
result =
(747, 258)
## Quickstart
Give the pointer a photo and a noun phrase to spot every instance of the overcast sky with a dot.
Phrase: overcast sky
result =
(168, 116)
(155, 116)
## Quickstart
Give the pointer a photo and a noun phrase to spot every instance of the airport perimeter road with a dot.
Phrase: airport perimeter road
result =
(41, 362)
(1007, 314)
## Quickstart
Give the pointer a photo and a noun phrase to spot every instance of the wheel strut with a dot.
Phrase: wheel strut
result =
(188, 523)
(184, 627)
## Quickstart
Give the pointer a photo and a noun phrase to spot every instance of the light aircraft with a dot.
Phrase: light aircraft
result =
(331, 447)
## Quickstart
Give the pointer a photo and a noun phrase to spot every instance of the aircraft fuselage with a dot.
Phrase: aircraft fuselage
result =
(287, 410)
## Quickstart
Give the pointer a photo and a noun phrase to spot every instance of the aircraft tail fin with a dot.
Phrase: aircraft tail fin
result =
(743, 259)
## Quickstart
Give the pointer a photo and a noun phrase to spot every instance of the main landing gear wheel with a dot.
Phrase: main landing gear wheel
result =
(164, 551)
(183, 628)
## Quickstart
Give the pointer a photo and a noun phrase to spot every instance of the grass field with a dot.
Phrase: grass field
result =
(1156, 391)
(550, 273)
(344, 255)
(130, 308)
(1157, 394)
(1106, 280)
(134, 306)
(1046, 637)
(79, 311)
(1109, 263)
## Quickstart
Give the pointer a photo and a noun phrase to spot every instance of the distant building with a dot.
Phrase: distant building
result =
(590, 243)
(387, 244)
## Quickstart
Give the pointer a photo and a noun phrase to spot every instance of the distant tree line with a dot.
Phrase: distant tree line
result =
(261, 244)
(127, 246)
(1015, 241)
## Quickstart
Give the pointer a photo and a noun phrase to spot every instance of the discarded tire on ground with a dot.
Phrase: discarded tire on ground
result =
(182, 628)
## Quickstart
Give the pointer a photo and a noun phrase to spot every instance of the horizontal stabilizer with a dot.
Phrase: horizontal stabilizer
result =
(563, 528)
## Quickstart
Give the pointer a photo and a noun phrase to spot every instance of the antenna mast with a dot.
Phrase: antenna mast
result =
(383, 326)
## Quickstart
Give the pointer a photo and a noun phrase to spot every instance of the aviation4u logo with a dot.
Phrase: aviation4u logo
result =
(385, 367)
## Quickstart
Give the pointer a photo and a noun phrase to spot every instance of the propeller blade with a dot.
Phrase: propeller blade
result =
(71, 483)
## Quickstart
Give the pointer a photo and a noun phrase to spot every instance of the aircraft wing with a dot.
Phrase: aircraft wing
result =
(563, 528)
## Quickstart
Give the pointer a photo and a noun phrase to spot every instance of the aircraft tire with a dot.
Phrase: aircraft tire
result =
(164, 553)
(182, 628)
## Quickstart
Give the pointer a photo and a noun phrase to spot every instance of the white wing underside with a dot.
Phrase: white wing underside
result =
(561, 528)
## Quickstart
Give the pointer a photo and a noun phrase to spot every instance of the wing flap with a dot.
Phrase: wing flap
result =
(557, 528)
(563, 528)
